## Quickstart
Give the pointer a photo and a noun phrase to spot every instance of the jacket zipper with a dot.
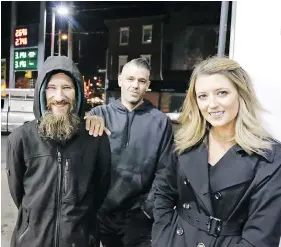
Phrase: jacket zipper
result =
(58, 201)
(127, 131)
(25, 231)
(128, 127)
(66, 169)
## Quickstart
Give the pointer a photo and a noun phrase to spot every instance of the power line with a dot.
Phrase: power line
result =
(113, 7)
(85, 33)
(77, 10)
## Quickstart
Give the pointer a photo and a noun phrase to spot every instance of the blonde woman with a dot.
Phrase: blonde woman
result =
(224, 187)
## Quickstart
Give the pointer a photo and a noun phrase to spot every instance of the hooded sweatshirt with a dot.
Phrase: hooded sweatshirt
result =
(56, 188)
(51, 66)
(141, 145)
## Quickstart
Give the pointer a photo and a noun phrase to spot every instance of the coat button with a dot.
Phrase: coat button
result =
(179, 231)
(201, 245)
(186, 206)
(8, 172)
(185, 182)
(218, 195)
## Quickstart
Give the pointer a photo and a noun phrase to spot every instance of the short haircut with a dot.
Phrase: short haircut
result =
(140, 62)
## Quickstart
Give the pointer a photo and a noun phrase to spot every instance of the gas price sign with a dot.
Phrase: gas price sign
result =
(26, 36)
(21, 37)
(25, 59)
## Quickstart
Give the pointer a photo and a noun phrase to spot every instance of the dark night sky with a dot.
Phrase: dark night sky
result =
(90, 18)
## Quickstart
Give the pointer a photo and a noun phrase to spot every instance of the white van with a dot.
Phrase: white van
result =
(16, 108)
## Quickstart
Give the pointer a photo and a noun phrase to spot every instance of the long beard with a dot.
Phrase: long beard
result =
(59, 128)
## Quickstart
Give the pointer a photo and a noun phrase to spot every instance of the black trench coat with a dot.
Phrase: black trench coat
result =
(247, 201)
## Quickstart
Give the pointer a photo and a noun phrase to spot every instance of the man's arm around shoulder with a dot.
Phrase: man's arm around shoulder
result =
(96, 111)
(95, 122)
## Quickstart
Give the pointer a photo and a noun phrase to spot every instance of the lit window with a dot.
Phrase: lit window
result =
(147, 34)
(124, 36)
(122, 61)
(147, 58)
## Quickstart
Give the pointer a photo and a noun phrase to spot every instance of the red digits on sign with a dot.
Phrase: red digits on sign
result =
(24, 32)
(21, 37)
(20, 41)
(23, 41)
(21, 32)
(17, 34)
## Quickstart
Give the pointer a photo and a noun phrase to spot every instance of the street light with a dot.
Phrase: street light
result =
(61, 37)
(64, 36)
(61, 10)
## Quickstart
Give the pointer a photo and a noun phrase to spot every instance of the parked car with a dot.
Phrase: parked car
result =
(16, 108)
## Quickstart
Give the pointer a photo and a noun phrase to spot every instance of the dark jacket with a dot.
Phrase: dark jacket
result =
(245, 200)
(57, 188)
(141, 145)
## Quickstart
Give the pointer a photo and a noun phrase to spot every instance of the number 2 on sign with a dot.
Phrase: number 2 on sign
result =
(20, 41)
(21, 32)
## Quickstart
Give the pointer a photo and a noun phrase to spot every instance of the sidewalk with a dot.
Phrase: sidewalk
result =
(8, 212)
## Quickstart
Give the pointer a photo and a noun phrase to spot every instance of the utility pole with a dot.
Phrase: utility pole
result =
(53, 31)
(223, 28)
(13, 25)
(79, 50)
(106, 76)
(59, 41)
(42, 34)
(69, 40)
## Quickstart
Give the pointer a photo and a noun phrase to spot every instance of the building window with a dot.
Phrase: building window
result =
(124, 36)
(147, 34)
(122, 61)
(147, 58)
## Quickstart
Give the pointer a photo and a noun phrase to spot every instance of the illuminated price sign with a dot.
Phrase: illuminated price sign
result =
(26, 36)
(25, 59)
(22, 32)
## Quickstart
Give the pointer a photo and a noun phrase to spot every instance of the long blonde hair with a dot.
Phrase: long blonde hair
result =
(249, 133)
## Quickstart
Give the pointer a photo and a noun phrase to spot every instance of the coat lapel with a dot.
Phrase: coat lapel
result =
(235, 167)
(194, 163)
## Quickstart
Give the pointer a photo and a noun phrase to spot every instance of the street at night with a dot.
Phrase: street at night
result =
(185, 98)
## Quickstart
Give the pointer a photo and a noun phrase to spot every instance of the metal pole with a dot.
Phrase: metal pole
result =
(42, 34)
(106, 77)
(223, 28)
(53, 31)
(59, 41)
(232, 32)
(69, 51)
(13, 25)
(79, 50)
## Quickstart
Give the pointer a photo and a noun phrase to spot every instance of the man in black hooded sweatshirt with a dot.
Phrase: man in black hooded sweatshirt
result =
(141, 144)
(58, 174)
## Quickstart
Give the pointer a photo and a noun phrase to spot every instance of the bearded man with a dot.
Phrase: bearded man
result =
(58, 174)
